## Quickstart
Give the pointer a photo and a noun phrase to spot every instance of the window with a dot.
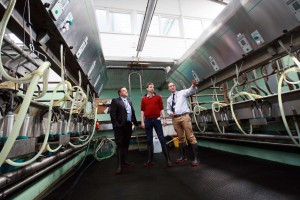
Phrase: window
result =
(206, 23)
(160, 26)
(170, 27)
(101, 19)
(154, 26)
(120, 22)
(192, 28)
(140, 19)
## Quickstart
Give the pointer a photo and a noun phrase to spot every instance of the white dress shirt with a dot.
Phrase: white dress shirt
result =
(181, 106)
(128, 109)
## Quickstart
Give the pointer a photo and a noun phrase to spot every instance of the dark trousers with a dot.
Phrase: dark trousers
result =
(155, 123)
(122, 139)
(123, 135)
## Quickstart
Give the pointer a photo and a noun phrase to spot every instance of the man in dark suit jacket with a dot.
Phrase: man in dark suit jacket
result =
(122, 116)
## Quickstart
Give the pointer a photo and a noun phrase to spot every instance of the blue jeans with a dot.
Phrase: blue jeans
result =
(155, 123)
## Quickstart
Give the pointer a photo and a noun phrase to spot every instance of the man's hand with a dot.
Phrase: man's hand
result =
(165, 122)
(142, 125)
(194, 83)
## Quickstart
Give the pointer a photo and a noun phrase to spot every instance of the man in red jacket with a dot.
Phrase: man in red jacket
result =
(152, 109)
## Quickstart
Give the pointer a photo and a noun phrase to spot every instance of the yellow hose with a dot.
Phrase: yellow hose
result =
(91, 136)
(252, 97)
(46, 135)
(280, 104)
(22, 113)
(214, 114)
(53, 150)
(198, 113)
(69, 91)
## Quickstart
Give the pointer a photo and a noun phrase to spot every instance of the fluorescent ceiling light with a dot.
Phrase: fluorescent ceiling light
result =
(146, 23)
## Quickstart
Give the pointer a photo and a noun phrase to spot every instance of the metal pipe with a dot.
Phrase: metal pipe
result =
(12, 189)
(129, 83)
(12, 177)
(250, 141)
(8, 123)
(20, 51)
(146, 68)
(59, 126)
(203, 95)
(25, 126)
(141, 68)
(262, 136)
(1, 127)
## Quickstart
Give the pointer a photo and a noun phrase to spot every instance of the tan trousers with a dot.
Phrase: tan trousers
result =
(181, 124)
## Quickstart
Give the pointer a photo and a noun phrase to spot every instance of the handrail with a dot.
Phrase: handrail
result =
(129, 83)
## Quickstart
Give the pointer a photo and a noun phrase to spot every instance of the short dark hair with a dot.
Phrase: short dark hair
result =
(120, 88)
(149, 83)
(170, 83)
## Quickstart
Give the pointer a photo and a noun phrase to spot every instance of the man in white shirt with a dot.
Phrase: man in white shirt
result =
(178, 109)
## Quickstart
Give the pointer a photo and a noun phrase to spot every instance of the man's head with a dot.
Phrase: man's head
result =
(122, 91)
(150, 87)
(171, 87)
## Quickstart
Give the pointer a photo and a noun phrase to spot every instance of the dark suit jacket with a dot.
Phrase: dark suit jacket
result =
(118, 113)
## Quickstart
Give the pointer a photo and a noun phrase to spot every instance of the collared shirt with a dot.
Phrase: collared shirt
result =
(181, 105)
(128, 108)
(147, 95)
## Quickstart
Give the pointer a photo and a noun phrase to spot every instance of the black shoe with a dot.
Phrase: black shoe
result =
(195, 153)
(150, 157)
(183, 157)
(167, 155)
